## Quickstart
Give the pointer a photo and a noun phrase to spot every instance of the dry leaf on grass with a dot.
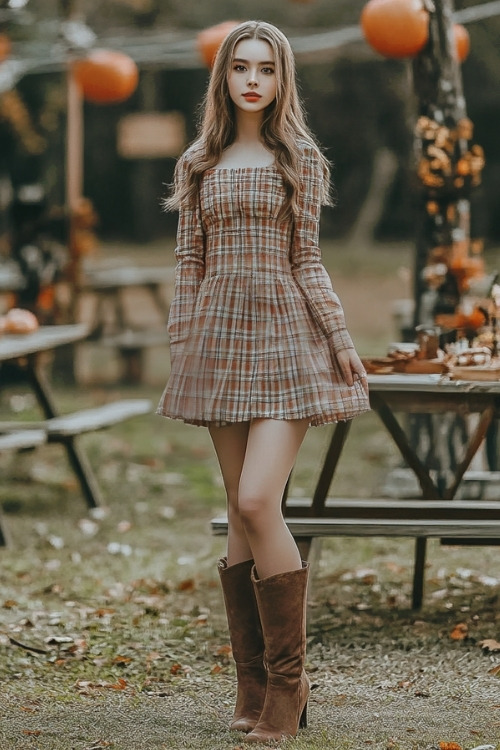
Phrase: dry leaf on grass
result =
(449, 746)
(86, 686)
(459, 633)
(489, 644)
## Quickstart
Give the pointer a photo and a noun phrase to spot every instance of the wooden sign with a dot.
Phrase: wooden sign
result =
(151, 135)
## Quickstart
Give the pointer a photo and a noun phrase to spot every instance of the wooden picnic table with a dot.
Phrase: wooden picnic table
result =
(24, 353)
(113, 324)
(435, 513)
(113, 320)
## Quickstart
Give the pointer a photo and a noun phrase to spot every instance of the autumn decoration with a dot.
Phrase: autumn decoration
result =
(444, 168)
(209, 40)
(106, 76)
(395, 28)
(15, 114)
(449, 166)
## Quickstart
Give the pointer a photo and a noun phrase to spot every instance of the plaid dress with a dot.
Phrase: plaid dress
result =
(255, 324)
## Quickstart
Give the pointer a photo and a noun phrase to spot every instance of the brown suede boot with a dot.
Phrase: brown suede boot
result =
(282, 607)
(246, 641)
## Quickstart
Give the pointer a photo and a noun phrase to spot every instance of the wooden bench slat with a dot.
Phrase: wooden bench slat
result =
(381, 508)
(323, 527)
(86, 420)
(22, 439)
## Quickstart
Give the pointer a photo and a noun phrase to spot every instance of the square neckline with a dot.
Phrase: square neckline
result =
(241, 169)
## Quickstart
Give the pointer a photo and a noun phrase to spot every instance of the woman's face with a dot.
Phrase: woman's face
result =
(252, 78)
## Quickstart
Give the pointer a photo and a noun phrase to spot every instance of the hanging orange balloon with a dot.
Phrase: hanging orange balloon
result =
(462, 41)
(106, 76)
(209, 40)
(395, 28)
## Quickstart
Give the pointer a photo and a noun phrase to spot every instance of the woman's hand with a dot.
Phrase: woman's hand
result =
(351, 366)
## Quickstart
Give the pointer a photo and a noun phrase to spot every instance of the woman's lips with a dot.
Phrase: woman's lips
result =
(252, 97)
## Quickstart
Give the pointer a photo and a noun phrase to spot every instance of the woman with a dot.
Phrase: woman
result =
(259, 349)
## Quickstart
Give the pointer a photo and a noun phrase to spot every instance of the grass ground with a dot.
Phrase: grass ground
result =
(112, 631)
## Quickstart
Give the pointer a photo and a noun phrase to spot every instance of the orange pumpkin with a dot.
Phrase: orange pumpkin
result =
(395, 28)
(462, 41)
(5, 47)
(106, 76)
(209, 40)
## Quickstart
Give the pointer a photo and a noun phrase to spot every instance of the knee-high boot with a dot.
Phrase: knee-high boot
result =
(246, 641)
(281, 600)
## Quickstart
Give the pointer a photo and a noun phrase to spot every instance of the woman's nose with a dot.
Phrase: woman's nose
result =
(252, 79)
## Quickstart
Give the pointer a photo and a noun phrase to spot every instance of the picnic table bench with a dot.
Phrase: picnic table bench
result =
(24, 352)
(436, 513)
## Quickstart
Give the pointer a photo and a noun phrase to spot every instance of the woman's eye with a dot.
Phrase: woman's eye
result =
(268, 71)
(239, 68)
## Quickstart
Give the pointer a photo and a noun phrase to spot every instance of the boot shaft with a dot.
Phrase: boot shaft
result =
(241, 610)
(282, 602)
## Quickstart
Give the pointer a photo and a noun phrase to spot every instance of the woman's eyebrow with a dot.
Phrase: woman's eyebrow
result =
(263, 62)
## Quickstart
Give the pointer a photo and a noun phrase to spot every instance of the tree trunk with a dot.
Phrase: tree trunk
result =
(438, 87)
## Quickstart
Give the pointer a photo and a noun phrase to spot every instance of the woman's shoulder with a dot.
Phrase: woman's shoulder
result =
(308, 150)
(194, 152)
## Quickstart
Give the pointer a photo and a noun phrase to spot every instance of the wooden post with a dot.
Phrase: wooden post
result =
(74, 164)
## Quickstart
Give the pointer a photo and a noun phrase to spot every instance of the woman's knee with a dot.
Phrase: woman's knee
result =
(254, 510)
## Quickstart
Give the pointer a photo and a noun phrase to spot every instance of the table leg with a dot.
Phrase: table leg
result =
(3, 535)
(78, 460)
(418, 572)
(84, 473)
(471, 450)
(429, 489)
(330, 463)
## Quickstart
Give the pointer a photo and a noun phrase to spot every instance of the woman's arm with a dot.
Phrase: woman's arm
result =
(307, 268)
(190, 268)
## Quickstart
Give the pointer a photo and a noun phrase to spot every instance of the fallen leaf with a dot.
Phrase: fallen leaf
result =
(58, 640)
(122, 660)
(449, 746)
(490, 645)
(187, 585)
(33, 732)
(495, 670)
(83, 686)
(104, 611)
(459, 633)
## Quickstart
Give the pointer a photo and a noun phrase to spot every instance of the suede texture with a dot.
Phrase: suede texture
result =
(281, 600)
(247, 643)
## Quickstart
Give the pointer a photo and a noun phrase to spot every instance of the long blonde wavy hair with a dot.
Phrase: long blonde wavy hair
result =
(283, 129)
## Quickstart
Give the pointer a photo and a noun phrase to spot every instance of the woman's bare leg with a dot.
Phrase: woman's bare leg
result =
(230, 444)
(271, 449)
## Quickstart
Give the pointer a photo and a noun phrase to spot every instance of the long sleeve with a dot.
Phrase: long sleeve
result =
(190, 268)
(307, 268)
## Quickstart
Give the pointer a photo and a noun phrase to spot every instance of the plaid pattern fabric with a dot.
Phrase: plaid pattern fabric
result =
(255, 323)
